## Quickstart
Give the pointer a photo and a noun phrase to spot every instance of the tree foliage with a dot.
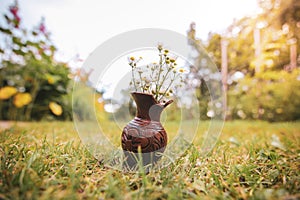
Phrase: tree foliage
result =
(261, 41)
(272, 96)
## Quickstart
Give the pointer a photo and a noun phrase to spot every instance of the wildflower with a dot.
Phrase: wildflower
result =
(181, 70)
(152, 78)
(55, 108)
(42, 28)
(145, 80)
(159, 47)
(22, 99)
(50, 79)
(7, 92)
(14, 11)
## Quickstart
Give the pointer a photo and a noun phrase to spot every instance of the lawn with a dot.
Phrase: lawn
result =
(252, 160)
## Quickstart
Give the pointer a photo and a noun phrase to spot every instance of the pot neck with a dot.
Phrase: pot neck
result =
(147, 107)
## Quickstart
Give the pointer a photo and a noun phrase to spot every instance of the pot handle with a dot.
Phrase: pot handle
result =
(167, 103)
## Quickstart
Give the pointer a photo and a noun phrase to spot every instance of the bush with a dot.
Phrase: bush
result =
(33, 86)
(272, 96)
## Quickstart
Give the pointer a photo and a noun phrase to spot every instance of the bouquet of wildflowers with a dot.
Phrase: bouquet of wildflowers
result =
(159, 78)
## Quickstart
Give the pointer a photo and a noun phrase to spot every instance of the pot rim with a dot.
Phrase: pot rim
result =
(165, 104)
(146, 94)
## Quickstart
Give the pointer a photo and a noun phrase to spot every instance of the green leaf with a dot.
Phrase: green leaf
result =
(18, 52)
(17, 41)
(34, 33)
(5, 30)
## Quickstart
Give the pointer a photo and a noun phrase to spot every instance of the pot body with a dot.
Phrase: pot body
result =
(148, 135)
(144, 134)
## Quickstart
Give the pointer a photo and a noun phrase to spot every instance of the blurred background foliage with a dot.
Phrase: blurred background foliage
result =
(263, 80)
(34, 86)
(272, 96)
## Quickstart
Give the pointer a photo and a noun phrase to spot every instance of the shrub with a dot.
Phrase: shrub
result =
(272, 96)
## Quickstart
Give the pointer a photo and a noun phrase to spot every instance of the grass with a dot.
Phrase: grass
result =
(252, 160)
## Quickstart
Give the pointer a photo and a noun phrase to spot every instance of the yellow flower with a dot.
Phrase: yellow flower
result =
(7, 92)
(22, 99)
(181, 70)
(50, 80)
(132, 58)
(55, 108)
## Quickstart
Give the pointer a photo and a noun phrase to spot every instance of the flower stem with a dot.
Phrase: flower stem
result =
(142, 85)
(164, 79)
(172, 80)
(159, 72)
(133, 79)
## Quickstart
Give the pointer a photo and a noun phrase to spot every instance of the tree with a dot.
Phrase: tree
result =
(264, 42)
(204, 75)
(284, 17)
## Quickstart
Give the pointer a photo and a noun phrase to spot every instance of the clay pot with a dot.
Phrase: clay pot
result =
(145, 133)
